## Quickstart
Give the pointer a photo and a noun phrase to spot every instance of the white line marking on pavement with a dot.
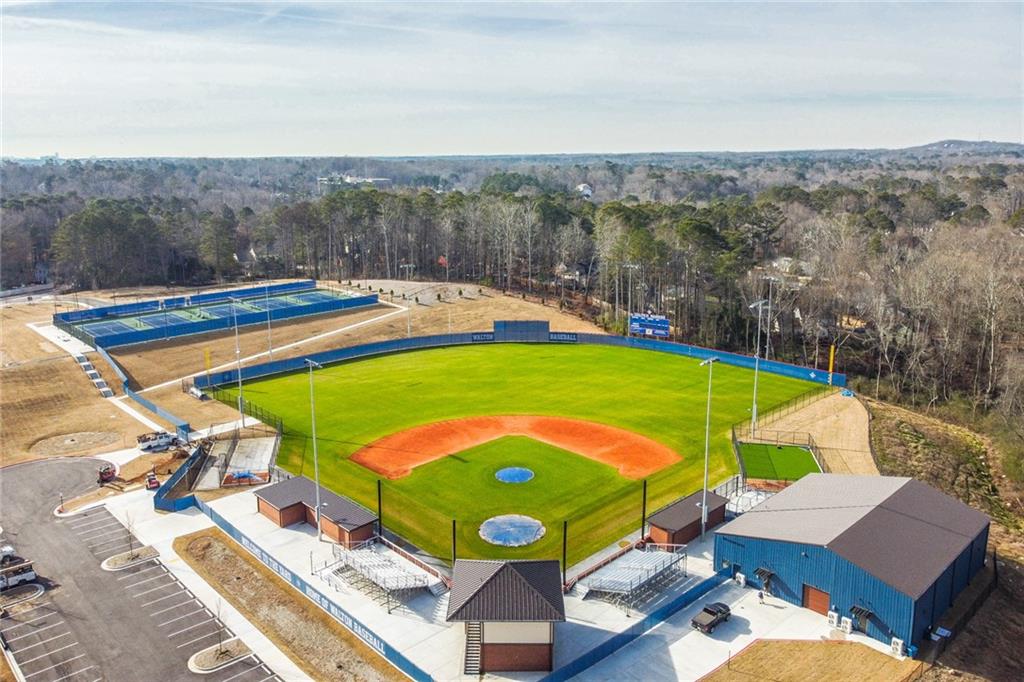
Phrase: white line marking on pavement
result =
(125, 577)
(190, 613)
(34, 632)
(193, 641)
(244, 672)
(54, 666)
(107, 542)
(155, 589)
(147, 580)
(25, 648)
(82, 671)
(25, 622)
(104, 533)
(173, 634)
(162, 598)
(104, 519)
(66, 646)
(172, 607)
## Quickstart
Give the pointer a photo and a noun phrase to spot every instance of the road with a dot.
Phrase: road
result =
(92, 624)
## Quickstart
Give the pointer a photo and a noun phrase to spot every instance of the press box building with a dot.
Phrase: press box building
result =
(889, 553)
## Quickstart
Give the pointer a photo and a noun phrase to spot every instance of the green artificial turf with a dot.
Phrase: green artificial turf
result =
(777, 462)
(659, 395)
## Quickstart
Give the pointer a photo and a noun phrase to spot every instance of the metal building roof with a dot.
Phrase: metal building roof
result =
(684, 511)
(510, 591)
(902, 531)
(336, 508)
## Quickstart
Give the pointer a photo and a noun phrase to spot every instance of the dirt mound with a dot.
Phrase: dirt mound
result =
(72, 443)
(635, 456)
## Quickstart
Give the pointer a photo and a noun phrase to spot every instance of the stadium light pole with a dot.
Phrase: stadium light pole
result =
(768, 334)
(316, 461)
(757, 363)
(710, 362)
(270, 338)
(238, 364)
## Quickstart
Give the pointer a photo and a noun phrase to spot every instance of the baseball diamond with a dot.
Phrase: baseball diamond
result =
(593, 422)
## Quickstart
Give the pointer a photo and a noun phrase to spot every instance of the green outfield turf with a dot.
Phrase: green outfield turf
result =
(777, 462)
(659, 395)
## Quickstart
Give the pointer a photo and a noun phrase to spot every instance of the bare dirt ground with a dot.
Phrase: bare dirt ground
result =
(20, 344)
(962, 463)
(840, 427)
(53, 399)
(317, 643)
(634, 456)
(784, 660)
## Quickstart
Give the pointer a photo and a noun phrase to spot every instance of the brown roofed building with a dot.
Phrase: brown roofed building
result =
(294, 500)
(679, 522)
(509, 608)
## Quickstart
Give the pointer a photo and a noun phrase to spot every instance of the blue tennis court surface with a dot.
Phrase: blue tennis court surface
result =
(251, 302)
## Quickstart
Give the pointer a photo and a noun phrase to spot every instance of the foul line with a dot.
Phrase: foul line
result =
(287, 346)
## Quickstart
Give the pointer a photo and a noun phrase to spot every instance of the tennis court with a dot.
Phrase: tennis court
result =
(777, 462)
(178, 313)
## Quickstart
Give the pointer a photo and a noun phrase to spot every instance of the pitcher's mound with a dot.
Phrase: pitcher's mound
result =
(71, 443)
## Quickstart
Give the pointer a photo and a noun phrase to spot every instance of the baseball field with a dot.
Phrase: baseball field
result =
(591, 423)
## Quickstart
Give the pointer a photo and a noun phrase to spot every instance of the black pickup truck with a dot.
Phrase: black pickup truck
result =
(710, 617)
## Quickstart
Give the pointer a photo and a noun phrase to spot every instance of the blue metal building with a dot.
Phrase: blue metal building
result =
(889, 553)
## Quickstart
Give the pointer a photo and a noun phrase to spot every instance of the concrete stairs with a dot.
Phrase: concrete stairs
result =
(94, 376)
(471, 664)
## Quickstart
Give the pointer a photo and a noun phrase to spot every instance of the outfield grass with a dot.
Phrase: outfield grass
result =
(777, 462)
(659, 395)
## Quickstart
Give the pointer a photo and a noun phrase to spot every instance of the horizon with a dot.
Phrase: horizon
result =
(264, 80)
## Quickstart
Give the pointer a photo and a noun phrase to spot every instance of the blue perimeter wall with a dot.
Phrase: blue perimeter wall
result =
(517, 332)
(181, 426)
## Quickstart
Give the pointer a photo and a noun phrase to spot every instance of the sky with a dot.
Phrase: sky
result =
(391, 79)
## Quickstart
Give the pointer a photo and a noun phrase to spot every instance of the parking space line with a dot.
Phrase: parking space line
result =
(92, 522)
(22, 613)
(190, 613)
(193, 641)
(66, 646)
(100, 532)
(25, 622)
(244, 672)
(175, 634)
(26, 648)
(150, 603)
(85, 528)
(154, 589)
(116, 542)
(56, 665)
(15, 639)
(125, 577)
(154, 613)
(82, 671)
(147, 580)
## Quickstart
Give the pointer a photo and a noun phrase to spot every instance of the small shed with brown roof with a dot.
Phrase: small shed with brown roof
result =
(509, 609)
(679, 522)
(294, 500)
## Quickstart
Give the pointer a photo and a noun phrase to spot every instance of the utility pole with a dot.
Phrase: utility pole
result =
(316, 461)
(238, 364)
(757, 363)
(768, 336)
(270, 338)
(710, 362)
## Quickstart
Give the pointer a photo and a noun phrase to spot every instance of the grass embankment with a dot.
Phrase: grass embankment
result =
(785, 660)
(312, 639)
(777, 462)
(658, 395)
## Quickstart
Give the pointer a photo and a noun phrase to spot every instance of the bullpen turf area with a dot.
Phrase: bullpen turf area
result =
(777, 462)
(657, 395)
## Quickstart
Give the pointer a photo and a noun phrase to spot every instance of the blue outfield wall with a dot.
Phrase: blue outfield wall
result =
(523, 332)
(372, 639)
(161, 500)
(222, 323)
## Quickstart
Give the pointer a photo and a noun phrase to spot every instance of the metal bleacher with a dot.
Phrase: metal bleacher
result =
(635, 576)
(370, 568)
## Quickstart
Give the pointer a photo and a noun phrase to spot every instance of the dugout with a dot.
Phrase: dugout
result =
(294, 500)
(509, 609)
(679, 522)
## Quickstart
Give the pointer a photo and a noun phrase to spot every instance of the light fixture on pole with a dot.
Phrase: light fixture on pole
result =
(238, 365)
(757, 362)
(707, 442)
(316, 461)
(768, 331)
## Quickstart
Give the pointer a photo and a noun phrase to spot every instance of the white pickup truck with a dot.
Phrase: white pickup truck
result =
(157, 440)
(13, 569)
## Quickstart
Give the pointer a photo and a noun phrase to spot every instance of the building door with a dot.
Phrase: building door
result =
(816, 600)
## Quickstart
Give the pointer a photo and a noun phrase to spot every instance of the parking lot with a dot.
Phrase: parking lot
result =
(91, 624)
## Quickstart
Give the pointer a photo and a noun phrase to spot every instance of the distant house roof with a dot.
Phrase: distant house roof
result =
(336, 508)
(684, 511)
(902, 531)
(489, 591)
